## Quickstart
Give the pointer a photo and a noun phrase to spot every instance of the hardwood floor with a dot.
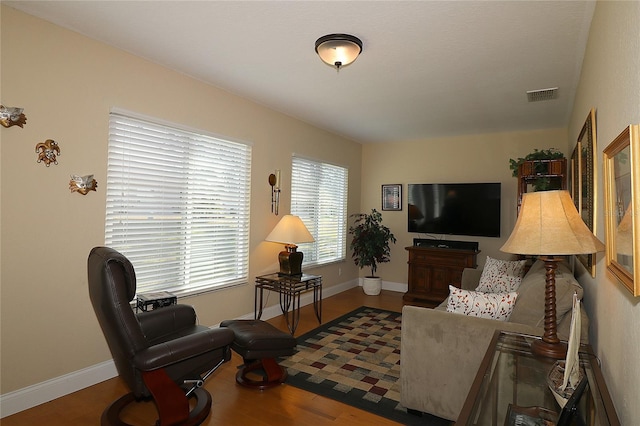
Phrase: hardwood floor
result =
(232, 404)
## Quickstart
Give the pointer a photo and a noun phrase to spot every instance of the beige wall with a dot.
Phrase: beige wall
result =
(610, 83)
(477, 158)
(67, 84)
(48, 328)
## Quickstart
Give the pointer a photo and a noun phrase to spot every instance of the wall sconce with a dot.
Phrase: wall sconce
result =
(274, 181)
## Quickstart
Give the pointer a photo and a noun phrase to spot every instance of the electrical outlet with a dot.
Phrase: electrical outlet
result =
(339, 271)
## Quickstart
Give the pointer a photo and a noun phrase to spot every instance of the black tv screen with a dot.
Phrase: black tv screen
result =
(454, 208)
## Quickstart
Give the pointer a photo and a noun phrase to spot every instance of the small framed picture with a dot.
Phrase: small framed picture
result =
(392, 197)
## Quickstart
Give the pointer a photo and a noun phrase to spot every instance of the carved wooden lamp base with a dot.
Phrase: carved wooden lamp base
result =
(549, 350)
(550, 346)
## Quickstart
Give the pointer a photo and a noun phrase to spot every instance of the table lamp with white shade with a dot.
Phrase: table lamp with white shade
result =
(290, 231)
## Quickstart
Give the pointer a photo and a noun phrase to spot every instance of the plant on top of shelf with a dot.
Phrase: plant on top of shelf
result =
(543, 183)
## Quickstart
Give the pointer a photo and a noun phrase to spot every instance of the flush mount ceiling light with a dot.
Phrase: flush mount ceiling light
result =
(338, 50)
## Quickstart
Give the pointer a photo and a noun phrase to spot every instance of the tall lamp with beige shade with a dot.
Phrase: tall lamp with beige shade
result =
(549, 226)
(290, 231)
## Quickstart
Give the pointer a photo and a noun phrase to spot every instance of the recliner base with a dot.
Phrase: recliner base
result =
(274, 374)
(111, 415)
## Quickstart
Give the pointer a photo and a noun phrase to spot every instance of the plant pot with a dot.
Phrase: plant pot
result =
(372, 285)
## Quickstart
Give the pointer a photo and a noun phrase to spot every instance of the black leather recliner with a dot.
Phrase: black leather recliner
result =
(161, 354)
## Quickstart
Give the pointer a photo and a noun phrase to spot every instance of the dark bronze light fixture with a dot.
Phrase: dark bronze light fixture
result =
(338, 50)
(274, 181)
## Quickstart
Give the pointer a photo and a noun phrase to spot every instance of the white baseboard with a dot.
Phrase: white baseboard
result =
(388, 285)
(31, 396)
(23, 399)
(399, 287)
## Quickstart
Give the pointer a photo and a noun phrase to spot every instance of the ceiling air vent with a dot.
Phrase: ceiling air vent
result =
(542, 94)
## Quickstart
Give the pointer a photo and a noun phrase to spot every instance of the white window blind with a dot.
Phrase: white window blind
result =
(319, 196)
(178, 206)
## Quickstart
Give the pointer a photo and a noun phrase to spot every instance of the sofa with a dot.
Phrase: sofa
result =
(441, 351)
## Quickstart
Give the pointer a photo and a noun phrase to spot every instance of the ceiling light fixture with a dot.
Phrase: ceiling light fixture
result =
(338, 50)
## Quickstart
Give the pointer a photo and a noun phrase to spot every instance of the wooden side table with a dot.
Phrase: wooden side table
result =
(510, 375)
(289, 288)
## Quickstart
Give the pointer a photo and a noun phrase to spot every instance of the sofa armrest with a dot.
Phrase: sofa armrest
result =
(440, 355)
(470, 278)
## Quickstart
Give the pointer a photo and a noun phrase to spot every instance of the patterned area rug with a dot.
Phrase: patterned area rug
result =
(355, 359)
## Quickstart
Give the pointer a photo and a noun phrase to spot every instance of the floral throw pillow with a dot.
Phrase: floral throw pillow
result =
(501, 276)
(497, 306)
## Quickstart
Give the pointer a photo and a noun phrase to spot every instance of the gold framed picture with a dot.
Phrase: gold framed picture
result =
(622, 207)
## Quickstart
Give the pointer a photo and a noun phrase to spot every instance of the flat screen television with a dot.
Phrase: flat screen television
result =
(454, 208)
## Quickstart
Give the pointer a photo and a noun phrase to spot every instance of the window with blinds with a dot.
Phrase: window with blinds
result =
(178, 205)
(319, 196)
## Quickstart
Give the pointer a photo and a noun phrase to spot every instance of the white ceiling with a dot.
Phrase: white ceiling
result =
(428, 68)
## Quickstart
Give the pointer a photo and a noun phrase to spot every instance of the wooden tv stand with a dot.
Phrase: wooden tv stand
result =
(432, 270)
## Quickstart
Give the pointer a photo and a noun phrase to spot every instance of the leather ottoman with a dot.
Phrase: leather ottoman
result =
(259, 343)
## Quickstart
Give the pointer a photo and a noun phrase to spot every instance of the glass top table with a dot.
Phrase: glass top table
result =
(511, 379)
(289, 288)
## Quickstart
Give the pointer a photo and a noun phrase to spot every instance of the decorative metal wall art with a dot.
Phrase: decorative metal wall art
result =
(82, 184)
(12, 116)
(47, 152)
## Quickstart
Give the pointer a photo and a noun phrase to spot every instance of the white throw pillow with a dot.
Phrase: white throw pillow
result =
(497, 306)
(501, 276)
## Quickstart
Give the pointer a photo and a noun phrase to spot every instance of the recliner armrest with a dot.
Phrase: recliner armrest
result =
(165, 354)
(167, 320)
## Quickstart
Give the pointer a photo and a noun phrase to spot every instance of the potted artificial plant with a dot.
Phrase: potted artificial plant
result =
(370, 246)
